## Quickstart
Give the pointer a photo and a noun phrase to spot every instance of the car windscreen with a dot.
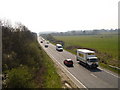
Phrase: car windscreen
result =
(70, 61)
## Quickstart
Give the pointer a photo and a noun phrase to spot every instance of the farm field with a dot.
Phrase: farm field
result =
(105, 45)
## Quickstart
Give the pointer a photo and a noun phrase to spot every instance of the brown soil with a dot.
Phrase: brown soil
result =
(79, 47)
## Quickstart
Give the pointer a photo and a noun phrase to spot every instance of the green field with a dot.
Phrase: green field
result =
(105, 45)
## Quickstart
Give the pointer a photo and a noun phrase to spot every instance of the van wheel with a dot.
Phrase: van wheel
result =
(80, 62)
(77, 60)
(87, 66)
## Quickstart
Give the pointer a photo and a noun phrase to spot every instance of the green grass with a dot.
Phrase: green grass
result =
(106, 45)
(52, 79)
(109, 68)
(103, 43)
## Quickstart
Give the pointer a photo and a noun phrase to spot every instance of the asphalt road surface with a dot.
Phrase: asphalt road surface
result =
(82, 76)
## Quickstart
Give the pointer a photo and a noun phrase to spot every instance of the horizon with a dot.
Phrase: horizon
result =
(61, 16)
(50, 32)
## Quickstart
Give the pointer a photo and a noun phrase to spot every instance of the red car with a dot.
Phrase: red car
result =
(68, 62)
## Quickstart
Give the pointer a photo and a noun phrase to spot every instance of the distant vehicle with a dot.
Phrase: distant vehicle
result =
(59, 47)
(87, 57)
(68, 62)
(41, 41)
(46, 45)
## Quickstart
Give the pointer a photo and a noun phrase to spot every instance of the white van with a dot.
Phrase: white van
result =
(59, 47)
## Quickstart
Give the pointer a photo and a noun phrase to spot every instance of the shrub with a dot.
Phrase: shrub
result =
(20, 78)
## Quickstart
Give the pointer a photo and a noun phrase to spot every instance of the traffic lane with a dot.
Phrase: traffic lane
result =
(74, 79)
(107, 77)
(86, 78)
(53, 49)
(106, 71)
(56, 56)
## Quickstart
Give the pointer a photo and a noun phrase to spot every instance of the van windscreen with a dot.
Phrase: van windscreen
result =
(59, 46)
(93, 60)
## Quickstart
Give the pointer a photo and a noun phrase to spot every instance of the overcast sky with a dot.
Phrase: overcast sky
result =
(61, 15)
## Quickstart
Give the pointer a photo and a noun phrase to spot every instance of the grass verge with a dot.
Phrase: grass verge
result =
(109, 68)
(52, 79)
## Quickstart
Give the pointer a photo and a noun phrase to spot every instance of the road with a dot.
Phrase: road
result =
(80, 75)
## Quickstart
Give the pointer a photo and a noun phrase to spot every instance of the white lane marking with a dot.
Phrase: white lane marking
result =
(93, 75)
(67, 71)
(70, 74)
(98, 67)
(102, 69)
(108, 72)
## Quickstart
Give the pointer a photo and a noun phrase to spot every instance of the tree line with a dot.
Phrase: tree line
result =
(22, 57)
(50, 38)
(84, 32)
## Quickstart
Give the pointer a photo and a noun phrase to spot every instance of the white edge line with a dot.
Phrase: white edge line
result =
(108, 72)
(70, 74)
(67, 71)
(93, 75)
(100, 68)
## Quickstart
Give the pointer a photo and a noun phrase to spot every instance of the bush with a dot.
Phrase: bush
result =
(20, 78)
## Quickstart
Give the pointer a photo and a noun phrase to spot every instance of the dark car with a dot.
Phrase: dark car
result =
(46, 45)
(68, 62)
(41, 41)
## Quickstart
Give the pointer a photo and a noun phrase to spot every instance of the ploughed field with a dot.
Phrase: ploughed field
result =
(106, 46)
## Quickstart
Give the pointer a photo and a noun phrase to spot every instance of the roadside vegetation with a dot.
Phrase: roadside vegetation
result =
(24, 63)
(52, 79)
